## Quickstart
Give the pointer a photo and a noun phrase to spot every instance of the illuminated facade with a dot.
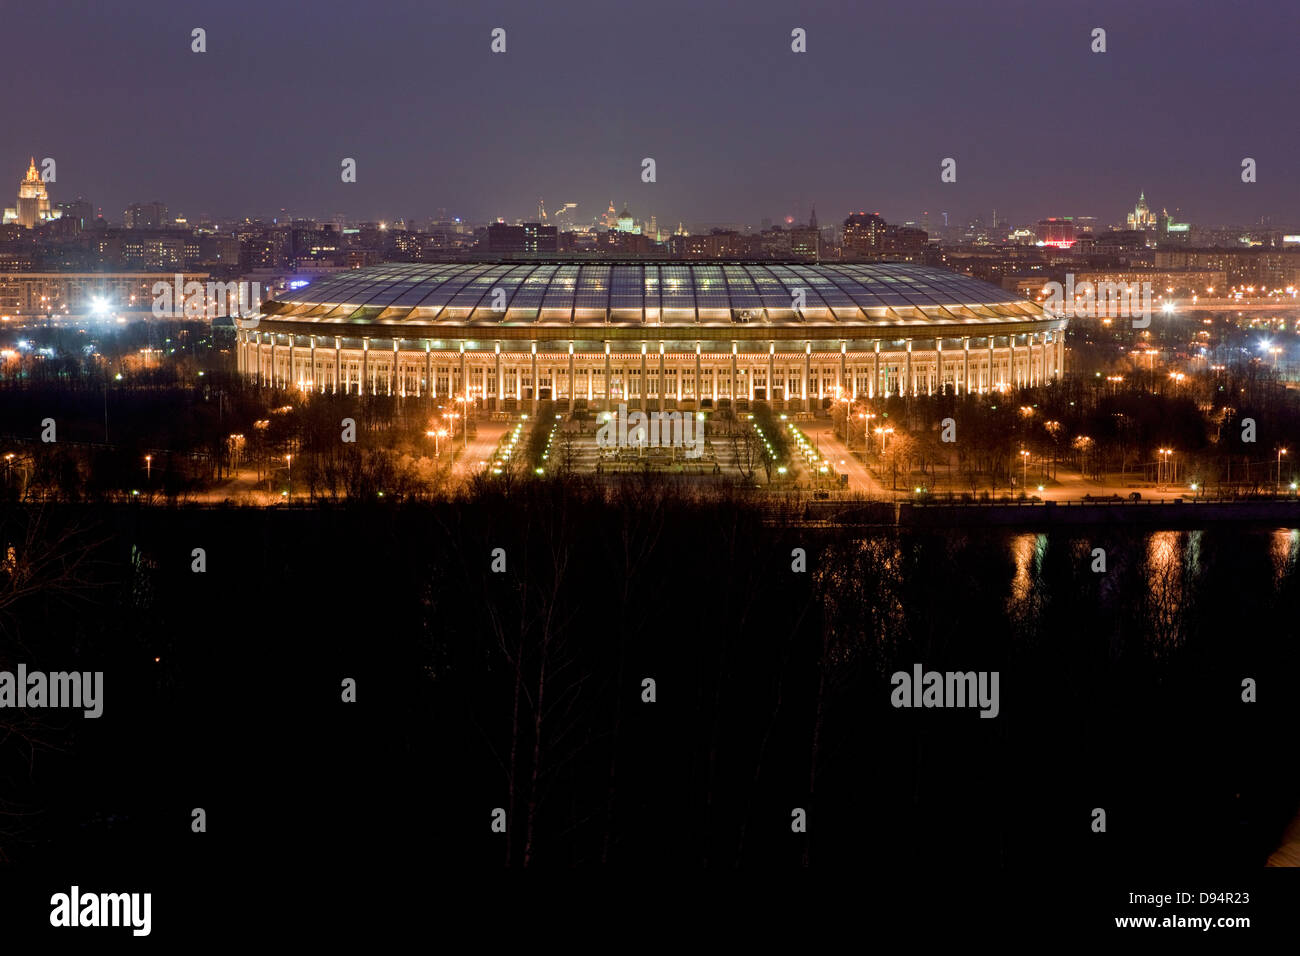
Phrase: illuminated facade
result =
(1141, 217)
(33, 202)
(74, 293)
(652, 334)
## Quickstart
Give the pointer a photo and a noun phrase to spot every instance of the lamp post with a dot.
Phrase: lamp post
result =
(289, 461)
(451, 420)
(148, 469)
(866, 428)
(1280, 453)
(1162, 466)
(1024, 468)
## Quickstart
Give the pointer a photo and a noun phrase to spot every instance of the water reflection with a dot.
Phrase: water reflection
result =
(1159, 582)
(1028, 551)
(1284, 543)
(1167, 569)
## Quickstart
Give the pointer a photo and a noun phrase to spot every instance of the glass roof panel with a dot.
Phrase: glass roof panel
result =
(593, 289)
(560, 294)
(626, 284)
(533, 289)
(710, 288)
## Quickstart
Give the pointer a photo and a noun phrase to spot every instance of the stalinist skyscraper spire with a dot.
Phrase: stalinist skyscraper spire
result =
(33, 202)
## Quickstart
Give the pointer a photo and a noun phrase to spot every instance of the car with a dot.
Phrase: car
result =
(821, 495)
(1135, 496)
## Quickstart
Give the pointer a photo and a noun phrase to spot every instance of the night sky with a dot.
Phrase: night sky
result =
(741, 128)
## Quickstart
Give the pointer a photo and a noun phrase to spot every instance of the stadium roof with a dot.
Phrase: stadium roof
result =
(629, 294)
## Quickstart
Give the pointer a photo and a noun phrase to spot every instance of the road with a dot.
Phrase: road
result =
(861, 481)
(470, 461)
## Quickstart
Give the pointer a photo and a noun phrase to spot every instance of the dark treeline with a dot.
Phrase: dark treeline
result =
(196, 435)
(522, 690)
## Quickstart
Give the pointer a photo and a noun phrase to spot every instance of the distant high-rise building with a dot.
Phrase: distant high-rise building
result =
(812, 219)
(531, 238)
(863, 234)
(78, 214)
(146, 215)
(1141, 217)
(1057, 231)
(804, 242)
(33, 201)
(1172, 232)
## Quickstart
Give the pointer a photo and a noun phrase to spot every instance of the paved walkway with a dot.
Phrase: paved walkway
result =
(470, 461)
(861, 481)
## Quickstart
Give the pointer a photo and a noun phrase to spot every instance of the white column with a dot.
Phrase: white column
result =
(697, 376)
(660, 389)
(807, 370)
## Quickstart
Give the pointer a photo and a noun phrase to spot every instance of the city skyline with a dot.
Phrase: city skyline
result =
(938, 221)
(754, 131)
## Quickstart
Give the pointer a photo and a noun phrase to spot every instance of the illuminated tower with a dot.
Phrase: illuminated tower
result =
(1141, 217)
(33, 202)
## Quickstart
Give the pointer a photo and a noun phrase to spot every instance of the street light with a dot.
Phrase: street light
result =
(289, 460)
(465, 406)
(1280, 453)
(866, 428)
(883, 432)
(1024, 468)
(451, 420)
(1162, 466)
(148, 468)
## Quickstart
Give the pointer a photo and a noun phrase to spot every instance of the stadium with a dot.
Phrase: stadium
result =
(654, 335)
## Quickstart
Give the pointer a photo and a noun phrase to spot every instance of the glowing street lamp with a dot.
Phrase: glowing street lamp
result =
(289, 461)
(1024, 468)
(1280, 453)
(1162, 467)
(148, 467)
(866, 427)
